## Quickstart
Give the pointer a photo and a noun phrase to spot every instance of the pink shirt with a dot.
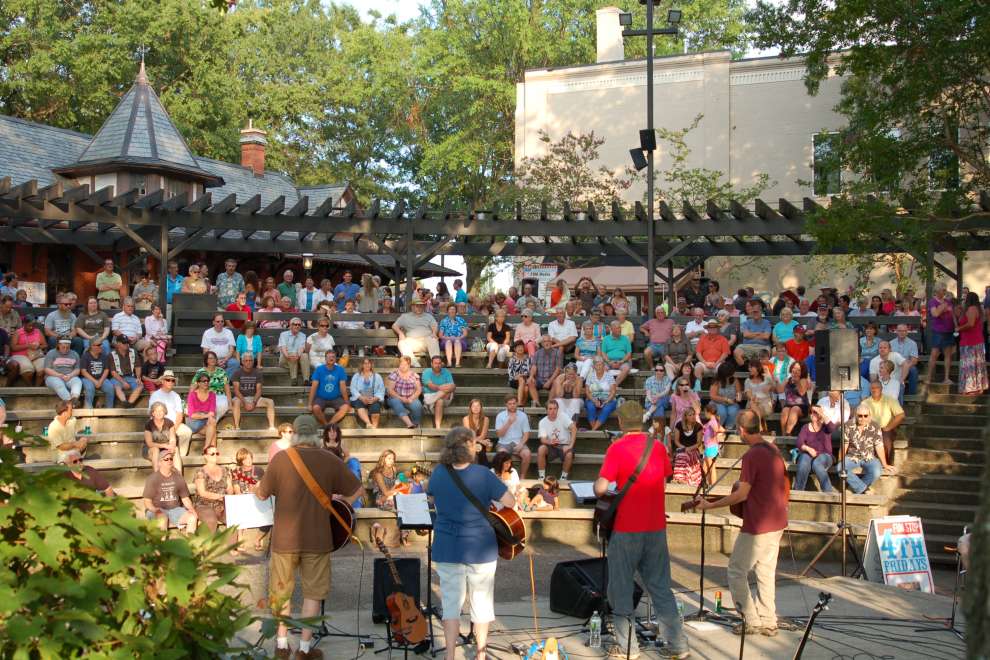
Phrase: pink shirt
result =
(194, 405)
(659, 330)
(526, 333)
(28, 337)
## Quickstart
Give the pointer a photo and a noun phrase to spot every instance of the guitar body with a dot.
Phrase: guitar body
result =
(407, 622)
(604, 516)
(512, 527)
(339, 534)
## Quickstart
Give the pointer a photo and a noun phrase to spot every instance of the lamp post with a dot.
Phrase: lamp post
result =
(647, 138)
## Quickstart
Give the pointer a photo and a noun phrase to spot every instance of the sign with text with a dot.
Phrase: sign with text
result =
(543, 274)
(896, 554)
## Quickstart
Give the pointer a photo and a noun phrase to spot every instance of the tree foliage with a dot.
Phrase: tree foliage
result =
(84, 578)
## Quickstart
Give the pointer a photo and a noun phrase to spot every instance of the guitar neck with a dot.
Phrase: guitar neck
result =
(391, 564)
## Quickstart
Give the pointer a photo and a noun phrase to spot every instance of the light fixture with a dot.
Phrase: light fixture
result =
(674, 16)
(625, 18)
(307, 262)
(638, 159)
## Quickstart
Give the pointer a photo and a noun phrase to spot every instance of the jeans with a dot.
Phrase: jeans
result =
(810, 363)
(663, 403)
(130, 380)
(871, 472)
(413, 409)
(757, 553)
(599, 415)
(105, 344)
(647, 553)
(820, 464)
(64, 390)
(727, 414)
(89, 392)
(912, 383)
(864, 369)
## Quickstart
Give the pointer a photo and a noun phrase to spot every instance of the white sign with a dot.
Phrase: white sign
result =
(895, 554)
(543, 274)
(35, 292)
(247, 511)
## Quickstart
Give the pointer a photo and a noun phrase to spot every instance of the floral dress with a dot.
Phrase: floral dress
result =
(217, 487)
(518, 368)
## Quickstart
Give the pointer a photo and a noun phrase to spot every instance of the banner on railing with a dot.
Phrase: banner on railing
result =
(895, 554)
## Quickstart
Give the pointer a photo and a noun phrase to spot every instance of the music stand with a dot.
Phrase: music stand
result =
(420, 525)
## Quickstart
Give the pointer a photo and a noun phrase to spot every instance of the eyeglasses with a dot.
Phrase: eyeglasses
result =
(167, 380)
(322, 325)
(862, 416)
(295, 325)
(212, 453)
(167, 458)
(203, 380)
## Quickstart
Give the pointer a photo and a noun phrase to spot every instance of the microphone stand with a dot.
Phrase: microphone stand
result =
(704, 614)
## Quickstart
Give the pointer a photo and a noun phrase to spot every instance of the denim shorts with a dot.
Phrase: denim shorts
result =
(943, 340)
(174, 514)
(196, 424)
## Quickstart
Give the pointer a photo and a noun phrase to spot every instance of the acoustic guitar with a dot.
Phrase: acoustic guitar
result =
(734, 509)
(341, 524)
(510, 530)
(406, 620)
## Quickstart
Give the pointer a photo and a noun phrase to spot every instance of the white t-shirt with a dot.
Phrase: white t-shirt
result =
(896, 358)
(559, 429)
(515, 433)
(171, 400)
(832, 411)
(561, 331)
(318, 347)
(513, 483)
(694, 326)
(222, 343)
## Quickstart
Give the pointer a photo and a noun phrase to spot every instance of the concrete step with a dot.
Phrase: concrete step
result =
(960, 514)
(917, 467)
(962, 441)
(942, 395)
(921, 484)
(964, 427)
(968, 457)
(911, 496)
(953, 419)
(955, 409)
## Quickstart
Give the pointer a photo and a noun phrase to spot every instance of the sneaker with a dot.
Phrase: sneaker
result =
(737, 629)
(667, 652)
(618, 652)
(769, 632)
(314, 654)
(283, 654)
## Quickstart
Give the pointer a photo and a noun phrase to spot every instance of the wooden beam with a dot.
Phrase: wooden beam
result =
(97, 199)
(250, 207)
(71, 196)
(689, 212)
(789, 211)
(617, 213)
(176, 202)
(174, 251)
(137, 238)
(46, 194)
(224, 206)
(299, 208)
(666, 213)
(202, 203)
(324, 209)
(150, 201)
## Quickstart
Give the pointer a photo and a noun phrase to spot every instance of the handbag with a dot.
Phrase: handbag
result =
(607, 506)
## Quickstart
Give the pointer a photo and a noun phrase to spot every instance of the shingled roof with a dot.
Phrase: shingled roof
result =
(139, 135)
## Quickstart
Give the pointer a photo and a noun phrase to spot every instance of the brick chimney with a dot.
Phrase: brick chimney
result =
(253, 145)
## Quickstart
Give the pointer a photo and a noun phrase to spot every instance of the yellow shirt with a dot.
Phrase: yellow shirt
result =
(103, 279)
(884, 410)
(626, 328)
(59, 434)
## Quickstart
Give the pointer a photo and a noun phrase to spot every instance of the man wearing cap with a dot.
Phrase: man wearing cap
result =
(166, 496)
(639, 537)
(548, 361)
(174, 411)
(301, 536)
(712, 349)
(292, 351)
(84, 474)
(417, 332)
(62, 367)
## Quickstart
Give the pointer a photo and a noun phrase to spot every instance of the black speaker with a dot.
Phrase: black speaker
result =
(837, 360)
(575, 588)
(647, 139)
(384, 585)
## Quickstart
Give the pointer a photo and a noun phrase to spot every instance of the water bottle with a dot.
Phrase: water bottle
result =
(718, 602)
(595, 631)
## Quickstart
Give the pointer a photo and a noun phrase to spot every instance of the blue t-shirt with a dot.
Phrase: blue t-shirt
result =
(460, 296)
(350, 292)
(242, 345)
(442, 378)
(452, 327)
(330, 380)
(752, 325)
(463, 535)
(616, 348)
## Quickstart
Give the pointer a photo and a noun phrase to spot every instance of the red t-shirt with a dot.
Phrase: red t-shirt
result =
(765, 508)
(642, 509)
(798, 350)
(234, 307)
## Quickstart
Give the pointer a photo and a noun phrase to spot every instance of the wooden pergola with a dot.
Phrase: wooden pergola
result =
(164, 227)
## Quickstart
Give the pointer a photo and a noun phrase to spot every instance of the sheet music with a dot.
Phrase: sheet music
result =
(583, 490)
(413, 510)
(247, 511)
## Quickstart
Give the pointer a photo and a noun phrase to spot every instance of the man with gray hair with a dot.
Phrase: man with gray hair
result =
(302, 539)
(84, 474)
(126, 324)
(292, 351)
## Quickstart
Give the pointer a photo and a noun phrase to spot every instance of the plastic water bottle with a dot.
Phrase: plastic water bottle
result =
(595, 631)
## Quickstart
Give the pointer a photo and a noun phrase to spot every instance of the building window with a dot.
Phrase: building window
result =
(139, 183)
(827, 165)
(173, 187)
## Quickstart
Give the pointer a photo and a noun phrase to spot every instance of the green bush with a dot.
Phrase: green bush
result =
(82, 577)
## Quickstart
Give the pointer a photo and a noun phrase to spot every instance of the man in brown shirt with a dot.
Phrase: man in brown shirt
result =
(301, 538)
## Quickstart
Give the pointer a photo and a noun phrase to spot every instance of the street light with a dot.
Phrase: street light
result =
(648, 136)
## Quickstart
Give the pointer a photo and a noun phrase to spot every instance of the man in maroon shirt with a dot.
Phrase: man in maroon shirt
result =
(764, 491)
(639, 537)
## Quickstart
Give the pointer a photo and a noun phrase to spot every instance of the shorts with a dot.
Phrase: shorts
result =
(374, 408)
(511, 448)
(752, 350)
(336, 404)
(474, 581)
(709, 372)
(314, 573)
(174, 514)
(453, 341)
(27, 365)
(430, 399)
(557, 452)
(196, 424)
(943, 340)
(711, 451)
(658, 350)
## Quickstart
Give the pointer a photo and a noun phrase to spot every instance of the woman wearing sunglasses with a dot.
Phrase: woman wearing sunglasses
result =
(213, 482)
(201, 409)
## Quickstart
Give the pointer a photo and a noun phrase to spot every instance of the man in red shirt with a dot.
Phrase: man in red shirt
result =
(239, 305)
(798, 348)
(639, 538)
(765, 492)
(712, 350)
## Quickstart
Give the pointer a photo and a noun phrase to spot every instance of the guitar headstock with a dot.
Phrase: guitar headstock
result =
(823, 600)
(378, 538)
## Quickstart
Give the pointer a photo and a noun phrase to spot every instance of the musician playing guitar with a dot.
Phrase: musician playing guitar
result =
(639, 536)
(301, 536)
(465, 549)
(765, 493)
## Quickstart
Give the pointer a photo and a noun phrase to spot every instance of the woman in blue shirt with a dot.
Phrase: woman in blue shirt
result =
(465, 551)
(249, 342)
(453, 336)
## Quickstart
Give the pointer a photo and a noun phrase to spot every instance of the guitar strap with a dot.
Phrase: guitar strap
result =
(314, 487)
(498, 528)
(647, 451)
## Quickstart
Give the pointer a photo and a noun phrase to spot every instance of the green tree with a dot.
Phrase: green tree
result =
(83, 577)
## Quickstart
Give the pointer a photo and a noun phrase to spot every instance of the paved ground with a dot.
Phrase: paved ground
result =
(863, 636)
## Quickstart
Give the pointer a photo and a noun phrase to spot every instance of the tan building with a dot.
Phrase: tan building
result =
(757, 118)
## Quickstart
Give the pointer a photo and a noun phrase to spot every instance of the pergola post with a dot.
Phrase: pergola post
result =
(929, 288)
(959, 274)
(410, 268)
(163, 267)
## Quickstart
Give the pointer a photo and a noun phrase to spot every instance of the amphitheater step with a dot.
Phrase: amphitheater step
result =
(959, 456)
(909, 497)
(963, 441)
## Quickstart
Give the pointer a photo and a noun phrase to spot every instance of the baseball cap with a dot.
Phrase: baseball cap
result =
(630, 414)
(712, 324)
(305, 425)
(800, 328)
(165, 452)
(64, 340)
